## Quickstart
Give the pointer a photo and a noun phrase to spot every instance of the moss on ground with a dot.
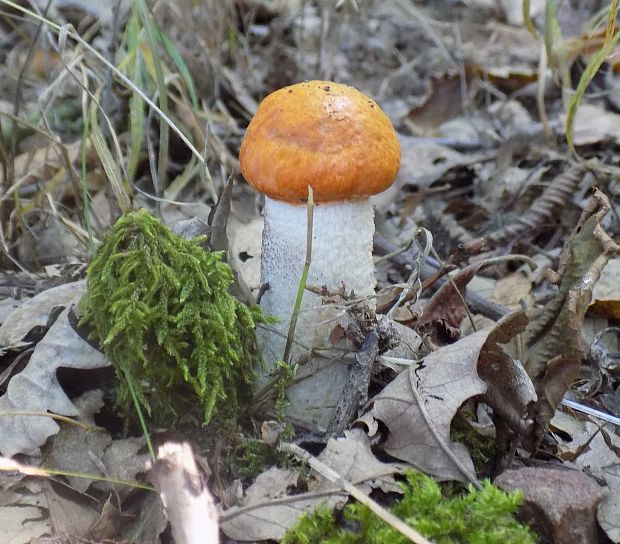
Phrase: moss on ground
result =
(477, 517)
(159, 307)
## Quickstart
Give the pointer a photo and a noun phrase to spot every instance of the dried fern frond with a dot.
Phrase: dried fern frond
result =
(543, 209)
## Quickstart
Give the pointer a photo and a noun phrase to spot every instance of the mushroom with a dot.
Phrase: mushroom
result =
(336, 140)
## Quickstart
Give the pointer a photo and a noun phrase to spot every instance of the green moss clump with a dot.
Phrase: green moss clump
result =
(159, 307)
(252, 457)
(481, 448)
(478, 517)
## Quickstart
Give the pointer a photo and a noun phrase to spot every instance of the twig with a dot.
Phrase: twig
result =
(392, 254)
(64, 419)
(476, 303)
(232, 513)
(235, 511)
(414, 277)
(325, 471)
(10, 465)
(355, 393)
(591, 411)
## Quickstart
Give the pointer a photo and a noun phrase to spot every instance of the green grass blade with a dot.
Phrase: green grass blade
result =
(137, 117)
(151, 36)
(84, 173)
(611, 21)
(553, 33)
(527, 17)
(612, 36)
(181, 67)
(143, 425)
(303, 280)
(110, 166)
(205, 175)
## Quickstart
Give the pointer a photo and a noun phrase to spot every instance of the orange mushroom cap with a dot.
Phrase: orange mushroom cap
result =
(323, 134)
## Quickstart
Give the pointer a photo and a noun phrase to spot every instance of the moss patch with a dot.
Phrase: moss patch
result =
(478, 517)
(159, 307)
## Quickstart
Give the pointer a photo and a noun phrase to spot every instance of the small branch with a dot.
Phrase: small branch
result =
(232, 513)
(64, 419)
(355, 393)
(9, 465)
(476, 303)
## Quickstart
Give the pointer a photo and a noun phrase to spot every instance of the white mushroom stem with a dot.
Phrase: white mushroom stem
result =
(341, 255)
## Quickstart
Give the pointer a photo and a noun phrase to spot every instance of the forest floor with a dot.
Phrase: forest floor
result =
(496, 253)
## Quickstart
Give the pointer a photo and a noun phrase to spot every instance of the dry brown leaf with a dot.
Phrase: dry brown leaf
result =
(37, 510)
(108, 523)
(554, 349)
(36, 312)
(601, 452)
(42, 164)
(610, 506)
(260, 518)
(407, 345)
(444, 312)
(71, 517)
(578, 434)
(444, 101)
(510, 391)
(36, 388)
(49, 241)
(42, 63)
(587, 444)
(606, 293)
(21, 523)
(501, 51)
(352, 458)
(218, 219)
(593, 124)
(424, 162)
(513, 289)
(77, 450)
(122, 460)
(417, 408)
